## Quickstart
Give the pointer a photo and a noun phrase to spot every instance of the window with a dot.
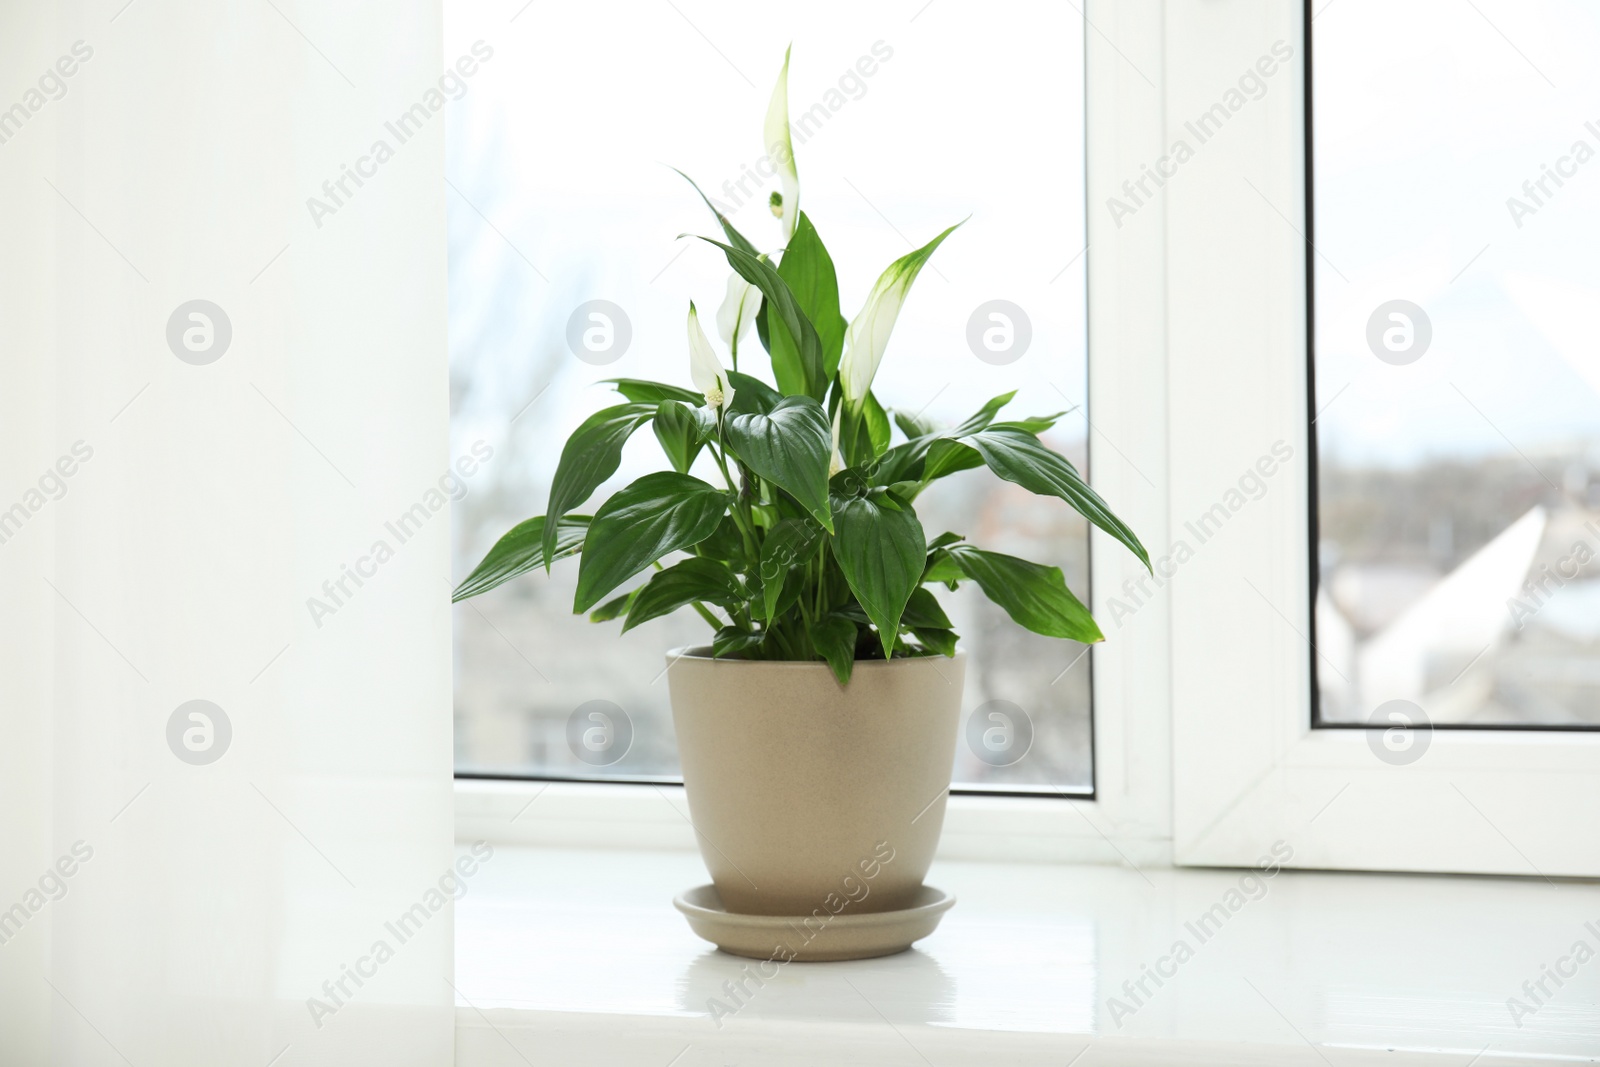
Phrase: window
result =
(1457, 381)
(1440, 133)
(561, 197)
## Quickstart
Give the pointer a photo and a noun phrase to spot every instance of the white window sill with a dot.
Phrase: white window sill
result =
(572, 955)
(593, 815)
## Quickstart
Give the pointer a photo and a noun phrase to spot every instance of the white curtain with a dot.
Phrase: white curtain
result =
(192, 502)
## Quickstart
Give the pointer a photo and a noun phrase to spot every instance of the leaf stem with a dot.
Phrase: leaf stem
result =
(740, 518)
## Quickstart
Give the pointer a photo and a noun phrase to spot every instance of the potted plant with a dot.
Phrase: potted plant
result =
(817, 727)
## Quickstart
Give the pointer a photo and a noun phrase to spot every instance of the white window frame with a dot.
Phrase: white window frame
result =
(1204, 752)
(1248, 768)
(1128, 820)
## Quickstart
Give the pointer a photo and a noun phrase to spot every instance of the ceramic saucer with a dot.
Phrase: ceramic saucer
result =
(844, 936)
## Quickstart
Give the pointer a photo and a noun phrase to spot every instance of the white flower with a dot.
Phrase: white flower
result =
(869, 331)
(836, 461)
(705, 368)
(780, 149)
(737, 312)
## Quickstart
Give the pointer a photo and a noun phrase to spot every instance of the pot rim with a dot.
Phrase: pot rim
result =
(702, 654)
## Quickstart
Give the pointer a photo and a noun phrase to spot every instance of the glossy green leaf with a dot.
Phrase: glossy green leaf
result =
(983, 416)
(519, 551)
(736, 238)
(943, 570)
(803, 374)
(592, 454)
(834, 638)
(614, 608)
(639, 391)
(947, 456)
(725, 544)
(787, 548)
(731, 639)
(1035, 596)
(863, 431)
(790, 448)
(1034, 424)
(1020, 457)
(682, 430)
(686, 581)
(923, 611)
(751, 395)
(940, 567)
(658, 514)
(882, 552)
(902, 461)
(936, 640)
(914, 425)
(809, 271)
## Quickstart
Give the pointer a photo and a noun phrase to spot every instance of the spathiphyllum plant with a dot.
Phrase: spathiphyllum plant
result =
(805, 545)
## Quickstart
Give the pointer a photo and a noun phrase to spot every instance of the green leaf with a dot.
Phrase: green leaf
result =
(882, 552)
(592, 454)
(936, 640)
(725, 543)
(809, 271)
(732, 639)
(695, 578)
(983, 416)
(519, 551)
(764, 328)
(863, 431)
(1035, 596)
(945, 539)
(614, 608)
(734, 236)
(1019, 457)
(914, 426)
(943, 570)
(787, 548)
(789, 448)
(834, 638)
(1034, 424)
(640, 391)
(804, 373)
(902, 461)
(682, 429)
(658, 514)
(923, 611)
(751, 395)
(853, 612)
(946, 456)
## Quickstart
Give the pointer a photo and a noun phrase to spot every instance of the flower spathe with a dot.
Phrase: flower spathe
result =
(737, 312)
(710, 377)
(780, 148)
(868, 334)
(836, 459)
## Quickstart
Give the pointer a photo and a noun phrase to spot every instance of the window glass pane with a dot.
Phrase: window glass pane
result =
(1457, 204)
(905, 121)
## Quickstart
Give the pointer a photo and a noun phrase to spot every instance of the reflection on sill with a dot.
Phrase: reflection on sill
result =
(960, 789)
(568, 950)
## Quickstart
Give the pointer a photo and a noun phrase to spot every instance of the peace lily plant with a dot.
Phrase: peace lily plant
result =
(808, 546)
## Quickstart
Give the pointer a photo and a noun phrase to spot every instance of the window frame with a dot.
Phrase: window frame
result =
(1314, 529)
(1126, 816)
(1249, 767)
(1204, 748)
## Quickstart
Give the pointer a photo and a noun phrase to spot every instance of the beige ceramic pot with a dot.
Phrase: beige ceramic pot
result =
(808, 795)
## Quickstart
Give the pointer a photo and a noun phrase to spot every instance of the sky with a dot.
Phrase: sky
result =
(565, 140)
(1430, 115)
